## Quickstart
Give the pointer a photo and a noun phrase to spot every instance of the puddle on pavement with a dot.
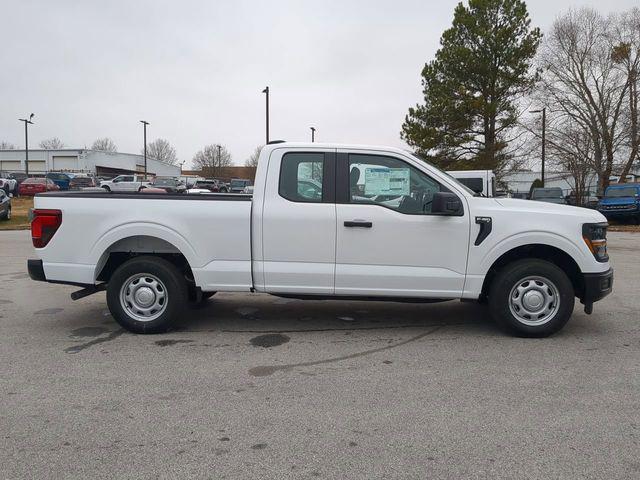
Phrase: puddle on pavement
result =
(270, 340)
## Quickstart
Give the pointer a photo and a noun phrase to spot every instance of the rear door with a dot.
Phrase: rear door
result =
(388, 242)
(127, 184)
(299, 222)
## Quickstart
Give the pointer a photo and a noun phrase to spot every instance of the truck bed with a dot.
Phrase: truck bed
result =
(212, 231)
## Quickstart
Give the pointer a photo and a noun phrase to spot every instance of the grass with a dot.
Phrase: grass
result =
(19, 214)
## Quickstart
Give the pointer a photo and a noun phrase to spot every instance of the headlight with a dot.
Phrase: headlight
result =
(595, 236)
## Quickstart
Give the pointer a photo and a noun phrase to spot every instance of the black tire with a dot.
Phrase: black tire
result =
(207, 295)
(172, 287)
(106, 188)
(7, 214)
(542, 281)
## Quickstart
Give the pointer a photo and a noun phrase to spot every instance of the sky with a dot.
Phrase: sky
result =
(195, 70)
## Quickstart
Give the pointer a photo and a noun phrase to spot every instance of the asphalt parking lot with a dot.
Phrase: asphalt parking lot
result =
(253, 386)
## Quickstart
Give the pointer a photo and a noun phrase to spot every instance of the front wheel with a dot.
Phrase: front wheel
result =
(531, 298)
(106, 189)
(146, 294)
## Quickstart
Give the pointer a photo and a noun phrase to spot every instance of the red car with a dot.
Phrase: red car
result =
(31, 186)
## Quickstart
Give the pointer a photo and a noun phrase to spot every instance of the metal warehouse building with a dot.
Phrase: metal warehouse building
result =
(83, 160)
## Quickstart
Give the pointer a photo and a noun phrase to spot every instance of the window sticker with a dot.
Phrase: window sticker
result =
(386, 181)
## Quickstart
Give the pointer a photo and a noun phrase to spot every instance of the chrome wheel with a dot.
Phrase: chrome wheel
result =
(534, 301)
(144, 297)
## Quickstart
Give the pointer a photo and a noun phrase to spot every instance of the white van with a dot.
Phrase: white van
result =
(482, 182)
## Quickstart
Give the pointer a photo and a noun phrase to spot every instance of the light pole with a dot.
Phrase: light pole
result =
(26, 142)
(544, 131)
(266, 92)
(313, 134)
(145, 123)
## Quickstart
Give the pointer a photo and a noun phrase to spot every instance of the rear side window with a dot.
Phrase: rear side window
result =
(301, 177)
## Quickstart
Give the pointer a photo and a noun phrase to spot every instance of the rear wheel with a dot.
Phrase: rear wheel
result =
(146, 294)
(531, 298)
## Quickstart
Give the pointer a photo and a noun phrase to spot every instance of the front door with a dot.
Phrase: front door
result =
(388, 242)
(299, 222)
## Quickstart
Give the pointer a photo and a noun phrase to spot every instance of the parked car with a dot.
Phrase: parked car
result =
(80, 181)
(415, 233)
(34, 185)
(8, 182)
(549, 195)
(621, 202)
(213, 185)
(5, 205)
(169, 184)
(20, 177)
(62, 180)
(589, 199)
(237, 185)
(125, 183)
(248, 189)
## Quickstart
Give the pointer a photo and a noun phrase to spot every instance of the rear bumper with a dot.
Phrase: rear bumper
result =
(597, 286)
(36, 270)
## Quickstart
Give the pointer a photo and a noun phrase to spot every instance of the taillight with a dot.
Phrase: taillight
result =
(44, 225)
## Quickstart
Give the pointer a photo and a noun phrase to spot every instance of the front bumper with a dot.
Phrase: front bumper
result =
(597, 286)
(626, 213)
(36, 270)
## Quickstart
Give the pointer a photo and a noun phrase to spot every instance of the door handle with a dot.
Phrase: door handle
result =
(358, 223)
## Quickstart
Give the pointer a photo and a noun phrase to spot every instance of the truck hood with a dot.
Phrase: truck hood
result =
(545, 208)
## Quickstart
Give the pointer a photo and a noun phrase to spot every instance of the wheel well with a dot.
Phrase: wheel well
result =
(135, 246)
(542, 252)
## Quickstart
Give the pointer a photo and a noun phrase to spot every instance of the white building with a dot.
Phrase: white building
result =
(83, 160)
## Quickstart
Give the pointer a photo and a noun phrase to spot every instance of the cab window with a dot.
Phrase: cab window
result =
(391, 183)
(301, 177)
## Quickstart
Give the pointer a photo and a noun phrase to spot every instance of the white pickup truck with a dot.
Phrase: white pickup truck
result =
(326, 221)
(125, 183)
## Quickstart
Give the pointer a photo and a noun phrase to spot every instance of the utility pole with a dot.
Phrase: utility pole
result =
(145, 123)
(313, 134)
(266, 91)
(26, 142)
(544, 135)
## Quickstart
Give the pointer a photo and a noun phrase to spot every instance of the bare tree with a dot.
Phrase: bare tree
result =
(104, 144)
(581, 82)
(212, 157)
(252, 161)
(53, 143)
(626, 55)
(6, 145)
(571, 149)
(162, 150)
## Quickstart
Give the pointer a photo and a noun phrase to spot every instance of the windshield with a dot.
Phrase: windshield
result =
(547, 193)
(621, 192)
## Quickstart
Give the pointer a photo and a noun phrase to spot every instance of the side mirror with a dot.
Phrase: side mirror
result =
(446, 203)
